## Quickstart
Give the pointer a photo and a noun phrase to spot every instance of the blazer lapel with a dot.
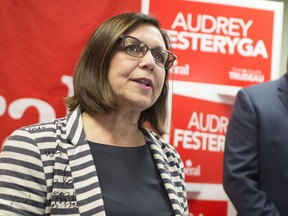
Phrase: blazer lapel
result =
(165, 173)
(83, 171)
(283, 90)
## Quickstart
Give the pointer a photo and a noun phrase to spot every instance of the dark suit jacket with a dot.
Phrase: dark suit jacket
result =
(255, 173)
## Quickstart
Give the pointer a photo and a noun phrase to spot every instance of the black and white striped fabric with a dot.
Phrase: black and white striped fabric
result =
(48, 169)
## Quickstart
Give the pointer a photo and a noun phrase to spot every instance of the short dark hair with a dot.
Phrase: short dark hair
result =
(92, 90)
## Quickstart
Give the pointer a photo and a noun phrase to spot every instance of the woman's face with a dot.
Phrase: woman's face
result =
(138, 81)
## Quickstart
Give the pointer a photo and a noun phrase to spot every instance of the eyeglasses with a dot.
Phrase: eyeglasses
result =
(136, 48)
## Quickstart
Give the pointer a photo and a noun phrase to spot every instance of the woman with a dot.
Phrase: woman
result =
(100, 159)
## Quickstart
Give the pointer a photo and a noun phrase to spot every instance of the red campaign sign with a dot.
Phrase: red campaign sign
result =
(198, 132)
(207, 208)
(216, 43)
(40, 43)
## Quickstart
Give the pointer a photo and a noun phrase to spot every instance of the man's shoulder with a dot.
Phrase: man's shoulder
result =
(265, 86)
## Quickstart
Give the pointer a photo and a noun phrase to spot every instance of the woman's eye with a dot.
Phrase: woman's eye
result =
(159, 57)
(133, 48)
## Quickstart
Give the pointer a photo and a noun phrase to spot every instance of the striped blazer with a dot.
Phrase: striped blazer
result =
(48, 169)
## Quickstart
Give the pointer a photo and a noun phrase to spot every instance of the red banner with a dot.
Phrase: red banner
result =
(218, 43)
(198, 133)
(207, 207)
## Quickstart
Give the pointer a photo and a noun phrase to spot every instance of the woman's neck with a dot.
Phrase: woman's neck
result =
(113, 129)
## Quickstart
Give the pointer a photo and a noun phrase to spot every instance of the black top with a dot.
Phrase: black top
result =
(130, 181)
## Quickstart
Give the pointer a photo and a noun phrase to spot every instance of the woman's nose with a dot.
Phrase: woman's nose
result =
(148, 61)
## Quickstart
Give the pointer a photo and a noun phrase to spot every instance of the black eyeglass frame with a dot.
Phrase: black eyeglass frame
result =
(170, 61)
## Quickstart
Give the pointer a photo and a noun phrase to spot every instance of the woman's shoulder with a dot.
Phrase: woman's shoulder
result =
(39, 131)
(45, 125)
